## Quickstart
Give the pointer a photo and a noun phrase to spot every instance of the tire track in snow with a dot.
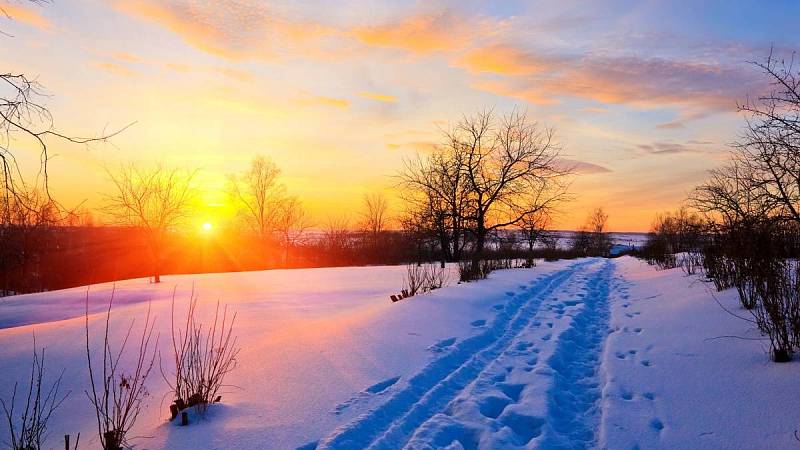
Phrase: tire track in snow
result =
(573, 401)
(391, 424)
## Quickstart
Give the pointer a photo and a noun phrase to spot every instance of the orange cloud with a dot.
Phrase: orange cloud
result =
(324, 101)
(503, 60)
(697, 88)
(417, 33)
(25, 15)
(114, 68)
(197, 26)
(236, 74)
(509, 88)
(127, 57)
(378, 97)
(226, 28)
(183, 68)
(595, 110)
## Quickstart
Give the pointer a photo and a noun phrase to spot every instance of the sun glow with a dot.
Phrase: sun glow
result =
(207, 226)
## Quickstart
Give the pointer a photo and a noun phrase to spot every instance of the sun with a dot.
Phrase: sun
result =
(207, 226)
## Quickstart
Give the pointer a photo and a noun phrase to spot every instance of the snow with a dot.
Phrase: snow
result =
(603, 353)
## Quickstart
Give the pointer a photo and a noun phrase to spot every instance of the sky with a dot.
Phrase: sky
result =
(642, 94)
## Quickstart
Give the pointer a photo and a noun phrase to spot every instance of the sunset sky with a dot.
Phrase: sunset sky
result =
(642, 94)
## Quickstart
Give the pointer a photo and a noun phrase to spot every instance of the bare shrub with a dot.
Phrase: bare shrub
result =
(680, 232)
(203, 356)
(117, 397)
(421, 278)
(471, 270)
(593, 239)
(777, 312)
(414, 279)
(28, 430)
(691, 262)
(437, 277)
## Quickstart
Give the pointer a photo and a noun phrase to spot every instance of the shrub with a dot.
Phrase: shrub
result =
(203, 356)
(421, 278)
(470, 270)
(117, 397)
(28, 430)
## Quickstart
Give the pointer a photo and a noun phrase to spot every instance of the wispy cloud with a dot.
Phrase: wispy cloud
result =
(24, 14)
(696, 88)
(668, 148)
(126, 57)
(378, 97)
(419, 33)
(113, 68)
(504, 60)
(229, 29)
(584, 167)
(317, 100)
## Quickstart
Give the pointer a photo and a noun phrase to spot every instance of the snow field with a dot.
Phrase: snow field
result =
(591, 353)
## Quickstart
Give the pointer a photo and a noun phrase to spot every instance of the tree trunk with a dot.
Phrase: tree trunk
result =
(480, 239)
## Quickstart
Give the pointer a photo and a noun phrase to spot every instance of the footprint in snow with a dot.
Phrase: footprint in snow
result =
(498, 307)
(478, 323)
(512, 391)
(656, 424)
(525, 427)
(649, 395)
(524, 346)
(493, 406)
(442, 345)
(377, 388)
(382, 386)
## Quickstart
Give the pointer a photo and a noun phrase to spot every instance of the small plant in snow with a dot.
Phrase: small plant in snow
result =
(117, 397)
(28, 427)
(421, 278)
(203, 356)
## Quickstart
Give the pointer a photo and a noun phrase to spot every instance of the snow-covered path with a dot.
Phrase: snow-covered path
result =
(532, 373)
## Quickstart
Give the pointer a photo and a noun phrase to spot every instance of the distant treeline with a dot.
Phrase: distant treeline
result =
(42, 258)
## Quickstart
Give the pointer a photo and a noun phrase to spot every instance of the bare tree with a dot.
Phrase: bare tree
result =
(592, 239)
(23, 116)
(508, 161)
(436, 196)
(117, 397)
(533, 227)
(291, 224)
(374, 214)
(770, 147)
(731, 194)
(259, 196)
(154, 200)
(336, 237)
(28, 428)
(29, 221)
